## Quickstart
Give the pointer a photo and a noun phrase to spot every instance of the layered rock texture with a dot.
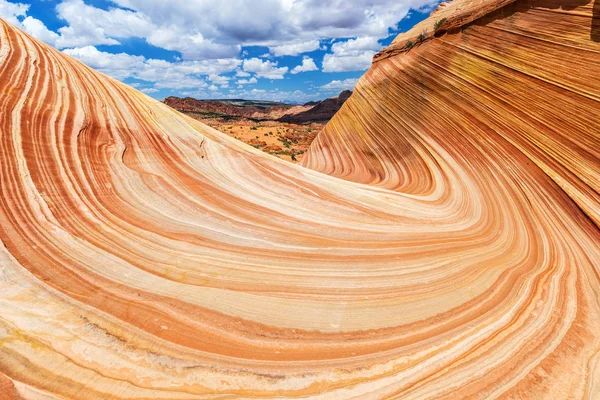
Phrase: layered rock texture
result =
(450, 249)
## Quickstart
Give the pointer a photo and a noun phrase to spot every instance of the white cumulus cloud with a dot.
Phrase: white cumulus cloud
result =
(16, 14)
(202, 29)
(11, 11)
(250, 81)
(164, 74)
(119, 66)
(351, 55)
(211, 39)
(346, 84)
(264, 69)
(293, 49)
(36, 28)
(308, 64)
(88, 25)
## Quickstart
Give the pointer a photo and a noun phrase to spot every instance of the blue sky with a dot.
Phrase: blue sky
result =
(285, 50)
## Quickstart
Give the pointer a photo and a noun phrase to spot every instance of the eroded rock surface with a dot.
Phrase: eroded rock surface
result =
(145, 255)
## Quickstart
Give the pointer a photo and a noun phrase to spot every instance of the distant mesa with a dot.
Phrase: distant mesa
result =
(230, 108)
(312, 103)
(320, 112)
(280, 129)
(258, 110)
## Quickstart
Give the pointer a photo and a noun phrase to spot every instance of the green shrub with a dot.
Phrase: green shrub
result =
(438, 23)
(409, 45)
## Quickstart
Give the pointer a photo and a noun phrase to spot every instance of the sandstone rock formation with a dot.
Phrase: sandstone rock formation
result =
(145, 255)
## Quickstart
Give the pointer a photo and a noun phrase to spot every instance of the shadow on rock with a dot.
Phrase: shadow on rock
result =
(595, 34)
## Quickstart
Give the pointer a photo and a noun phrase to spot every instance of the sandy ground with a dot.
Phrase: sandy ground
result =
(286, 141)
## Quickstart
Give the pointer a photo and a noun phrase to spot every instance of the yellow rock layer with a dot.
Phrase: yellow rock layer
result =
(145, 255)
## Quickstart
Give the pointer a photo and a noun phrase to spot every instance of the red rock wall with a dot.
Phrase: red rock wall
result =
(526, 76)
(144, 255)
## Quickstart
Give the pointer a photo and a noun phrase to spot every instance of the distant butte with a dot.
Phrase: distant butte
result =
(320, 112)
(283, 130)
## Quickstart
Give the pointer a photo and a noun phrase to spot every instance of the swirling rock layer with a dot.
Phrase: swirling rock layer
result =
(147, 256)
